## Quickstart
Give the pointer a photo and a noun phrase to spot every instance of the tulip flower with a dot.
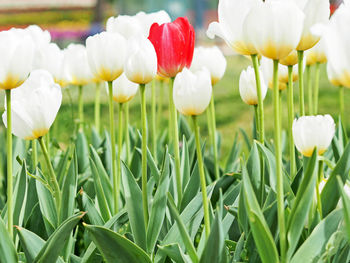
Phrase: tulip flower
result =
(124, 90)
(141, 64)
(124, 25)
(192, 93)
(247, 86)
(232, 15)
(17, 53)
(106, 55)
(174, 45)
(312, 132)
(35, 105)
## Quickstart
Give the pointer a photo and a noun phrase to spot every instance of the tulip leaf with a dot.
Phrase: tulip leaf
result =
(61, 168)
(185, 163)
(7, 250)
(346, 206)
(88, 205)
(271, 165)
(82, 151)
(330, 193)
(191, 188)
(301, 205)
(20, 196)
(315, 244)
(133, 200)
(157, 212)
(116, 248)
(232, 163)
(174, 252)
(261, 232)
(56, 242)
(253, 168)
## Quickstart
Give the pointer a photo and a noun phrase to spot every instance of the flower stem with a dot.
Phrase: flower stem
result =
(318, 180)
(52, 178)
(175, 136)
(127, 136)
(35, 153)
(97, 107)
(260, 99)
(144, 153)
(120, 146)
(309, 89)
(290, 101)
(317, 84)
(153, 127)
(256, 121)
(9, 164)
(278, 153)
(160, 104)
(81, 106)
(341, 104)
(301, 82)
(112, 133)
(202, 177)
(213, 134)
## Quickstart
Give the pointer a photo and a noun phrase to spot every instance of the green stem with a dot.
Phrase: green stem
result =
(317, 84)
(35, 153)
(144, 153)
(120, 149)
(127, 136)
(9, 164)
(319, 179)
(210, 132)
(213, 131)
(301, 82)
(341, 104)
(112, 133)
(53, 180)
(202, 177)
(48, 139)
(160, 104)
(175, 136)
(278, 153)
(260, 99)
(153, 113)
(256, 121)
(290, 101)
(97, 107)
(309, 89)
(81, 106)
(170, 121)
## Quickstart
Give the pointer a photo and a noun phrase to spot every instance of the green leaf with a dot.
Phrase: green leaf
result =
(232, 163)
(88, 205)
(315, 244)
(253, 167)
(158, 209)
(56, 242)
(116, 248)
(133, 200)
(346, 206)
(61, 168)
(261, 232)
(191, 188)
(246, 138)
(185, 163)
(69, 190)
(82, 152)
(20, 196)
(301, 205)
(271, 165)
(330, 193)
(174, 252)
(7, 250)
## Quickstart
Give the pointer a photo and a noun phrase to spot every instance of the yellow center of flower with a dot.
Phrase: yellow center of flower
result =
(308, 152)
(270, 50)
(122, 98)
(307, 41)
(108, 75)
(11, 82)
(37, 133)
(243, 48)
(190, 111)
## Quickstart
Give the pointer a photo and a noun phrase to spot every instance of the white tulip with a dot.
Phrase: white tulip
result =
(123, 89)
(231, 16)
(247, 86)
(211, 58)
(316, 54)
(313, 131)
(291, 59)
(53, 61)
(192, 91)
(266, 66)
(34, 105)
(147, 19)
(274, 27)
(106, 55)
(127, 26)
(316, 12)
(76, 61)
(337, 41)
(141, 63)
(332, 75)
(17, 54)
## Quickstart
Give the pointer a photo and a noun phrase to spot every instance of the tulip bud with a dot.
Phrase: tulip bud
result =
(316, 54)
(281, 31)
(192, 91)
(141, 64)
(230, 26)
(174, 45)
(211, 58)
(106, 55)
(291, 59)
(310, 132)
(17, 54)
(123, 89)
(247, 86)
(76, 61)
(34, 105)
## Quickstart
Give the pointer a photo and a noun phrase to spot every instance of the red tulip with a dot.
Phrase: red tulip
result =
(174, 45)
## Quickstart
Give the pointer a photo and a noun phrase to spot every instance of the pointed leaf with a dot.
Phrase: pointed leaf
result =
(7, 250)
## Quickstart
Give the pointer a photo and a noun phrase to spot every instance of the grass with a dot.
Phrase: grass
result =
(231, 112)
